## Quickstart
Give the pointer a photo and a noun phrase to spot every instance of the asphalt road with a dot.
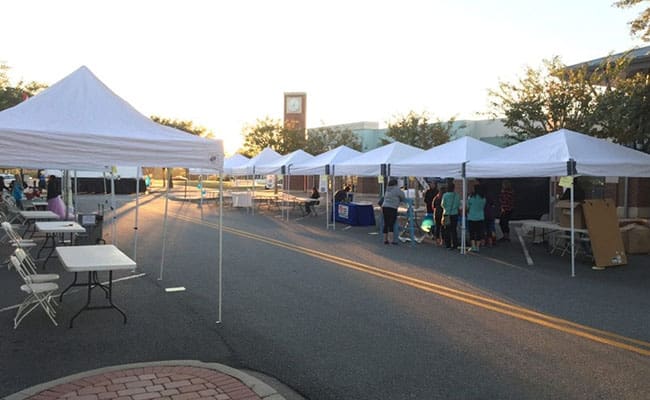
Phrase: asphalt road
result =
(339, 315)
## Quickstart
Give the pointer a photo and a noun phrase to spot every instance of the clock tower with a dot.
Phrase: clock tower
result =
(295, 111)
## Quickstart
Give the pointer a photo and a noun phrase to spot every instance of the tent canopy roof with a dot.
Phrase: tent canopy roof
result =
(316, 166)
(548, 155)
(445, 160)
(265, 156)
(80, 123)
(369, 164)
(275, 167)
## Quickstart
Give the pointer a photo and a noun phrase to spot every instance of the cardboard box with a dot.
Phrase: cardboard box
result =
(636, 239)
(563, 214)
(606, 241)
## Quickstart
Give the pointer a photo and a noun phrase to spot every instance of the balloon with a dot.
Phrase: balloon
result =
(427, 223)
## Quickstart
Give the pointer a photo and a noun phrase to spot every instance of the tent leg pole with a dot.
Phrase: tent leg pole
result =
(75, 202)
(137, 210)
(114, 210)
(164, 237)
(220, 244)
(573, 252)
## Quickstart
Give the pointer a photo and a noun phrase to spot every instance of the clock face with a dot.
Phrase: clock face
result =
(294, 105)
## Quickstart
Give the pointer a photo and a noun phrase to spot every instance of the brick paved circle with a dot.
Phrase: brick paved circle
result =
(156, 382)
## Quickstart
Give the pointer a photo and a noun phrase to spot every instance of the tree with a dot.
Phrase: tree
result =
(320, 140)
(601, 102)
(623, 112)
(13, 95)
(417, 130)
(271, 133)
(553, 97)
(641, 25)
(186, 126)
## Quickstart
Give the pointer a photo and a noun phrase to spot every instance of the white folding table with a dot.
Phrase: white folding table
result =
(30, 216)
(546, 228)
(94, 259)
(52, 229)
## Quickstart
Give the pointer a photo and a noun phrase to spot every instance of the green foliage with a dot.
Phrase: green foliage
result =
(553, 97)
(640, 26)
(13, 95)
(186, 126)
(320, 140)
(271, 133)
(624, 115)
(602, 102)
(418, 130)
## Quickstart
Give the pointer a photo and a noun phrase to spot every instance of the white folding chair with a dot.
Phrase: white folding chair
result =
(15, 238)
(13, 212)
(38, 294)
(29, 268)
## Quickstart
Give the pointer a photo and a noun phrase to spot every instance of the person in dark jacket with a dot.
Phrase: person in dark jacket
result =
(429, 195)
(341, 195)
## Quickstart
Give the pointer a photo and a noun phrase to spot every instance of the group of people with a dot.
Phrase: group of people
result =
(444, 204)
(17, 191)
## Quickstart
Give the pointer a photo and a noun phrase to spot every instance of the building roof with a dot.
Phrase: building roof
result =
(640, 61)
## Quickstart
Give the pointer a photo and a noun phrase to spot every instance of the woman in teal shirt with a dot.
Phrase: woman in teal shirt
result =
(476, 216)
(450, 203)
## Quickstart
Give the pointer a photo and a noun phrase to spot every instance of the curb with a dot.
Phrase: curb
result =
(260, 388)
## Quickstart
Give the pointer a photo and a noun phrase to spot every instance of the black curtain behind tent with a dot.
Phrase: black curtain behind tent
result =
(96, 185)
(531, 195)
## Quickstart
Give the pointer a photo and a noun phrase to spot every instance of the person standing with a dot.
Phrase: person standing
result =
(450, 204)
(507, 202)
(429, 195)
(490, 217)
(437, 216)
(476, 217)
(341, 195)
(17, 191)
(147, 183)
(54, 201)
(392, 199)
(42, 183)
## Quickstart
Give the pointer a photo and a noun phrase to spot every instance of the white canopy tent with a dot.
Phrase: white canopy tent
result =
(229, 163)
(548, 155)
(370, 163)
(236, 160)
(80, 124)
(445, 160)
(322, 163)
(283, 165)
(266, 156)
(285, 162)
(562, 153)
(448, 161)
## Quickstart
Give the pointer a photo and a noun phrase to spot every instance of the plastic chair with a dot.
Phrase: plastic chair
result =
(15, 239)
(38, 294)
(29, 268)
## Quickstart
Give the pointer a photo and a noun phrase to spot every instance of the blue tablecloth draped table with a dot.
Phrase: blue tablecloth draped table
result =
(355, 213)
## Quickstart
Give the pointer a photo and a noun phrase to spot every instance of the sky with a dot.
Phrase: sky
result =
(226, 64)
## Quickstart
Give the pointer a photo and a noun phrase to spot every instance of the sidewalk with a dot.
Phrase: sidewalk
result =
(173, 380)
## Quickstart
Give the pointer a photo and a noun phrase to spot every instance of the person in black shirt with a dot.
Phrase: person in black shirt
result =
(314, 195)
(341, 195)
(429, 195)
